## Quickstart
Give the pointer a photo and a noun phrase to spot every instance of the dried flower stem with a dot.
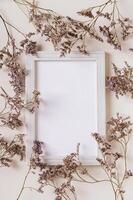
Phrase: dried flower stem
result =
(24, 182)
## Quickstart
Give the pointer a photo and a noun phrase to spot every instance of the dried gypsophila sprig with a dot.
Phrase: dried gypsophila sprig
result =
(47, 173)
(119, 128)
(9, 56)
(26, 45)
(65, 32)
(14, 105)
(119, 131)
(10, 115)
(121, 83)
(11, 149)
(118, 28)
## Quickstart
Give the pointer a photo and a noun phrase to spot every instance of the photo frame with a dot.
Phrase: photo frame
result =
(72, 104)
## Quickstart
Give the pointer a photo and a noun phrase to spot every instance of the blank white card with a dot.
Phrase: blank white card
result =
(68, 109)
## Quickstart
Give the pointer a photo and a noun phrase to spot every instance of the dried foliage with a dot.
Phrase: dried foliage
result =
(10, 115)
(66, 32)
(9, 56)
(121, 83)
(11, 149)
(119, 131)
(72, 170)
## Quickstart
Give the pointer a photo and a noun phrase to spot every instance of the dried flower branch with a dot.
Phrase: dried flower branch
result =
(121, 83)
(118, 28)
(14, 105)
(10, 115)
(119, 129)
(9, 56)
(65, 32)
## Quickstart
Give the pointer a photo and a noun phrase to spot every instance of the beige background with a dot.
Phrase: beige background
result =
(11, 179)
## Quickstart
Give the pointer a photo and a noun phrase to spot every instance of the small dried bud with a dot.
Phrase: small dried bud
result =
(31, 47)
(86, 13)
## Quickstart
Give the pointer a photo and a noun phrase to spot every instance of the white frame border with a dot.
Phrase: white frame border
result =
(100, 58)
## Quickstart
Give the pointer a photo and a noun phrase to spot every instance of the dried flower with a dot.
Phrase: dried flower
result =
(119, 128)
(11, 114)
(9, 56)
(37, 159)
(34, 103)
(121, 83)
(30, 47)
(10, 149)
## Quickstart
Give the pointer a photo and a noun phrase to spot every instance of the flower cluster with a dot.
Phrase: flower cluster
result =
(121, 83)
(29, 46)
(48, 174)
(10, 149)
(9, 56)
(119, 128)
(37, 160)
(11, 114)
(66, 171)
